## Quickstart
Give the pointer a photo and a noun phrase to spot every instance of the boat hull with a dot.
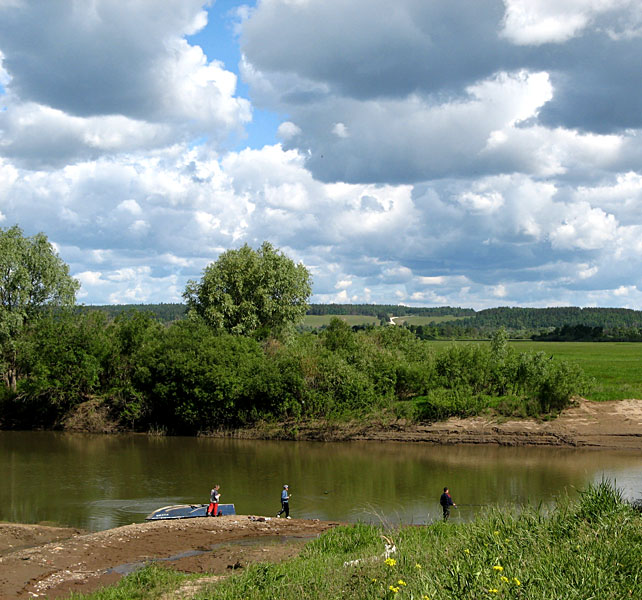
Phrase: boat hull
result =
(187, 511)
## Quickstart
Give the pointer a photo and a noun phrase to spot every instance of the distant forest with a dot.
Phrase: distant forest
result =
(164, 312)
(568, 323)
(388, 310)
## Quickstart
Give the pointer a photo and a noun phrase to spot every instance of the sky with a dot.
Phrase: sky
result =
(473, 153)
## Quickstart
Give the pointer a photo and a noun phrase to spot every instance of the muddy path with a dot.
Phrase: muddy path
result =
(83, 562)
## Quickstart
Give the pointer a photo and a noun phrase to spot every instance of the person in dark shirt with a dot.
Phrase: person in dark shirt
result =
(446, 502)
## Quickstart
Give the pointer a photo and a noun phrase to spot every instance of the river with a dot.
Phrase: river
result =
(98, 482)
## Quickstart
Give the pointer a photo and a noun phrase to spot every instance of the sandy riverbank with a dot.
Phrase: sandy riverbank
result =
(607, 425)
(41, 561)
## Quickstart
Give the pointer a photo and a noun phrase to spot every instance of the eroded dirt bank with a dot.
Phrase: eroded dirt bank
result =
(613, 425)
(608, 425)
(84, 562)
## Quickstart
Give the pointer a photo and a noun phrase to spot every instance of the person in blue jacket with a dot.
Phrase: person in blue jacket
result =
(285, 502)
(446, 502)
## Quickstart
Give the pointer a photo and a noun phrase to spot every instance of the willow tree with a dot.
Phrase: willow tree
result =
(32, 278)
(250, 292)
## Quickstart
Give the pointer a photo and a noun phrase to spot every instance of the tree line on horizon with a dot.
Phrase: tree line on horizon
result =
(569, 323)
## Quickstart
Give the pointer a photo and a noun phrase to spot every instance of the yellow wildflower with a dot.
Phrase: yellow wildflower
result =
(424, 597)
(466, 550)
(401, 582)
(393, 589)
(417, 566)
(517, 581)
(493, 591)
(374, 580)
(504, 578)
(498, 568)
(391, 562)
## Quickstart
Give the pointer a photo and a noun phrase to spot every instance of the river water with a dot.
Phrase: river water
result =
(101, 481)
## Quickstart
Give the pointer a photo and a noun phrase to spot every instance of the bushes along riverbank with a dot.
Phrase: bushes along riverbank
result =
(185, 378)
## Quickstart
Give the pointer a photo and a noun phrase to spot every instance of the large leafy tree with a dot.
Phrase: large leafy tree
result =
(250, 292)
(32, 278)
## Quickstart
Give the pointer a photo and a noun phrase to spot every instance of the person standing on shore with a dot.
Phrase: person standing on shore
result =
(215, 495)
(285, 502)
(446, 502)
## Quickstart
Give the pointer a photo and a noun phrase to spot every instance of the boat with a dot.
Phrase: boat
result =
(187, 511)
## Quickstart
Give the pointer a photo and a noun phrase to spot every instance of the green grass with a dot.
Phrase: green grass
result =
(151, 582)
(321, 320)
(616, 367)
(419, 320)
(588, 548)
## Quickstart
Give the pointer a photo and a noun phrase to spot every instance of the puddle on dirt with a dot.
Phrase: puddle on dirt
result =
(129, 568)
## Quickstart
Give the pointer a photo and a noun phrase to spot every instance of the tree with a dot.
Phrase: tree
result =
(32, 277)
(250, 291)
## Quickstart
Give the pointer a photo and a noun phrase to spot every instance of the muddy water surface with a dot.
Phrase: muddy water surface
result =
(101, 481)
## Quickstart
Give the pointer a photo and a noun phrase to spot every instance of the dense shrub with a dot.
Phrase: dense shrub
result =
(440, 404)
(184, 377)
(194, 379)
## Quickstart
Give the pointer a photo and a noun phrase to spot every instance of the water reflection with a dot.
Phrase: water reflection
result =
(97, 482)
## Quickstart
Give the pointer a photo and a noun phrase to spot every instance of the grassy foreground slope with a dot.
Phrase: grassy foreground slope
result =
(589, 548)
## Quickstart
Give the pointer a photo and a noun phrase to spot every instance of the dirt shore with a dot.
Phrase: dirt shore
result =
(608, 425)
(43, 561)
(71, 561)
(586, 424)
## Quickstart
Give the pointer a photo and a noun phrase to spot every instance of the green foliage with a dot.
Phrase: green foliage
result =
(63, 360)
(393, 310)
(338, 337)
(441, 404)
(598, 501)
(165, 312)
(134, 333)
(65, 357)
(250, 292)
(148, 583)
(612, 369)
(185, 377)
(473, 377)
(32, 277)
(349, 540)
(195, 380)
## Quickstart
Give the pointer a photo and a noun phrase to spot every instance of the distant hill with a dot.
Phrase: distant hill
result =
(165, 313)
(388, 310)
(513, 318)
(536, 318)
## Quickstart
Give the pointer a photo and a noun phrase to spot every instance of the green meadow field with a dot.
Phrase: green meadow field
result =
(615, 366)
(418, 320)
(321, 320)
